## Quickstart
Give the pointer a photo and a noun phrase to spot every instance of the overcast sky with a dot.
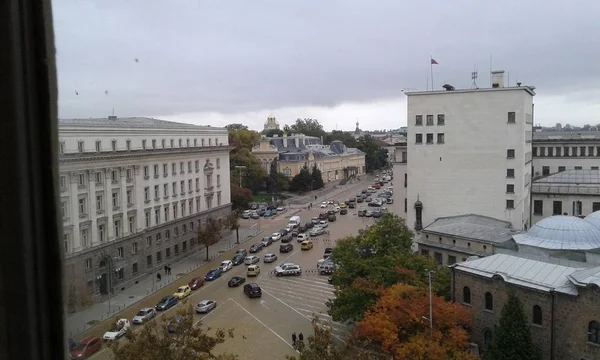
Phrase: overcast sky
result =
(219, 62)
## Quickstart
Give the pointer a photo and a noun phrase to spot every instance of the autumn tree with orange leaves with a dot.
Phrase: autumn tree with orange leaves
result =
(397, 325)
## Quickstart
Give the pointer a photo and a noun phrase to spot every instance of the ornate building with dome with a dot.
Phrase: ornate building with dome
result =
(554, 268)
(271, 124)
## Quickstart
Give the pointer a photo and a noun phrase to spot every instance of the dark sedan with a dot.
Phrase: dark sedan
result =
(255, 248)
(236, 281)
(166, 303)
(238, 259)
(213, 274)
(196, 283)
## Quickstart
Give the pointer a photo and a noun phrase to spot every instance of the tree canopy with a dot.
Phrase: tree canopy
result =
(253, 175)
(512, 337)
(396, 326)
(240, 197)
(174, 338)
(374, 260)
(306, 180)
(208, 234)
(307, 126)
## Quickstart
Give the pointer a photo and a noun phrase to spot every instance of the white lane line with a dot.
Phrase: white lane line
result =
(299, 313)
(296, 289)
(281, 262)
(300, 283)
(295, 304)
(213, 310)
(315, 280)
(293, 295)
(262, 323)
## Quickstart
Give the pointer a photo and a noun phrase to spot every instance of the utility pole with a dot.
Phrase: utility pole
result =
(240, 167)
(430, 305)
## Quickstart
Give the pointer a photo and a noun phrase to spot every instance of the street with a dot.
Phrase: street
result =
(263, 326)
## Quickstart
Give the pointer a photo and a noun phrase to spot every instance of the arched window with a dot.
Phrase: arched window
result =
(487, 338)
(466, 295)
(594, 332)
(537, 315)
(489, 301)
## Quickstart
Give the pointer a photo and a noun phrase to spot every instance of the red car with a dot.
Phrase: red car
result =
(196, 283)
(377, 186)
(86, 347)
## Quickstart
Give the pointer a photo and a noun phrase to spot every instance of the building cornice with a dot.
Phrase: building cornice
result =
(132, 154)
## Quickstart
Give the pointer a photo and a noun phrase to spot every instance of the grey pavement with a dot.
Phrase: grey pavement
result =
(87, 318)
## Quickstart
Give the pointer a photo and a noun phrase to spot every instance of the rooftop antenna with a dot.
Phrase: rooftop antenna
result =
(113, 111)
(474, 78)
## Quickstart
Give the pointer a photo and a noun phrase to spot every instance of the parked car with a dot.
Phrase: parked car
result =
(144, 315)
(276, 236)
(241, 252)
(266, 241)
(314, 220)
(205, 306)
(310, 224)
(236, 281)
(285, 248)
(252, 290)
(252, 259)
(306, 245)
(238, 259)
(118, 330)
(344, 212)
(269, 258)
(226, 265)
(324, 223)
(302, 237)
(352, 205)
(182, 292)
(286, 239)
(256, 248)
(86, 347)
(166, 303)
(253, 270)
(362, 213)
(213, 274)
(333, 218)
(317, 231)
(196, 283)
(359, 199)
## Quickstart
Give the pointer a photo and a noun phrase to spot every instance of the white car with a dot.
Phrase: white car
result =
(226, 265)
(302, 237)
(276, 236)
(289, 228)
(144, 315)
(288, 269)
(119, 330)
(280, 208)
(336, 209)
(323, 224)
(323, 204)
(252, 259)
(205, 306)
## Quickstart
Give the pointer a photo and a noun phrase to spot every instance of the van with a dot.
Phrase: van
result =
(294, 221)
(253, 270)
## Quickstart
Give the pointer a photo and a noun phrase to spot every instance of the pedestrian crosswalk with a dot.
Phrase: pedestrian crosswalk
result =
(307, 295)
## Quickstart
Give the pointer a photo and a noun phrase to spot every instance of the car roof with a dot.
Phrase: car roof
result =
(204, 301)
(146, 309)
(252, 285)
(88, 339)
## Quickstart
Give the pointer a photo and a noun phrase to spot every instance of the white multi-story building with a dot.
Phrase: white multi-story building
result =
(569, 192)
(132, 193)
(556, 151)
(470, 153)
(399, 162)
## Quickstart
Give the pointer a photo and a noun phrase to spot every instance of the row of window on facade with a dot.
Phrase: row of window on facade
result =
(536, 310)
(190, 188)
(429, 138)
(115, 145)
(441, 120)
(546, 169)
(558, 151)
(177, 209)
(557, 207)
(165, 168)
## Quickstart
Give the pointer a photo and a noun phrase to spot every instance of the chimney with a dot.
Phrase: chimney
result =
(297, 141)
(498, 79)
(284, 140)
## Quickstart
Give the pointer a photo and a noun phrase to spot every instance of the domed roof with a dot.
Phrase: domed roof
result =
(561, 233)
(594, 219)
(271, 117)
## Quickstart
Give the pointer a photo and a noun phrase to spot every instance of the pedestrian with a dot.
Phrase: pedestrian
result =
(294, 339)
(300, 338)
(169, 269)
(158, 277)
(165, 269)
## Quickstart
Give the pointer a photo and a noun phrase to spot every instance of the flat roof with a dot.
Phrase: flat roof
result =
(134, 122)
(462, 91)
(572, 177)
(565, 135)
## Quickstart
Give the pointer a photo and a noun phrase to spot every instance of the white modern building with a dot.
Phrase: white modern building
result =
(132, 193)
(556, 151)
(569, 192)
(399, 161)
(470, 152)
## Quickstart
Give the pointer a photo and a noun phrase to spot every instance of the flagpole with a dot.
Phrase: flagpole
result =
(431, 70)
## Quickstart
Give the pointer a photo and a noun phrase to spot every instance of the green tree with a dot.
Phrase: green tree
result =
(208, 234)
(232, 127)
(343, 136)
(243, 140)
(308, 127)
(272, 183)
(376, 157)
(375, 259)
(512, 337)
(301, 182)
(233, 221)
(270, 133)
(184, 341)
(317, 178)
(240, 197)
(283, 182)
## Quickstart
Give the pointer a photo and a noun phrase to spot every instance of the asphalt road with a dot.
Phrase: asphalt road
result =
(263, 326)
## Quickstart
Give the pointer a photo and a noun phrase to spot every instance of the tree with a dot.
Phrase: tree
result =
(172, 337)
(376, 157)
(308, 127)
(321, 345)
(301, 182)
(233, 221)
(512, 337)
(77, 296)
(232, 127)
(253, 175)
(342, 136)
(272, 184)
(283, 182)
(375, 259)
(396, 326)
(240, 197)
(271, 132)
(317, 178)
(208, 234)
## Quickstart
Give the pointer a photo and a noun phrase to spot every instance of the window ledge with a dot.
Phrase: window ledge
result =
(165, 174)
(488, 311)
(182, 172)
(116, 208)
(510, 157)
(81, 186)
(466, 304)
(510, 208)
(130, 205)
(510, 192)
(418, 143)
(197, 190)
(536, 325)
(593, 344)
(440, 142)
(156, 176)
(146, 201)
(540, 214)
(98, 184)
(114, 182)
(174, 173)
(166, 197)
(100, 212)
(129, 180)
(174, 195)
(157, 198)
(146, 177)
(510, 177)
(84, 215)
(182, 193)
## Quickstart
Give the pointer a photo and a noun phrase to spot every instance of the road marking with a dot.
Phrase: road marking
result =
(264, 303)
(282, 262)
(289, 286)
(262, 323)
(213, 310)
(290, 294)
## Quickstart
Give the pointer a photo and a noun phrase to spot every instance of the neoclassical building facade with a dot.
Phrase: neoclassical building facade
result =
(336, 161)
(133, 191)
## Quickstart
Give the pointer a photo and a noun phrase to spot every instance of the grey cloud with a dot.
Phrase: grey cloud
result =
(236, 56)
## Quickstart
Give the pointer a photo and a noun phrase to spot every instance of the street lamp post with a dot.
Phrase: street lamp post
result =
(430, 304)
(240, 167)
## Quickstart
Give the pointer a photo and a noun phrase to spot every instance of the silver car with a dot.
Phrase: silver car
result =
(269, 258)
(252, 259)
(144, 315)
(205, 306)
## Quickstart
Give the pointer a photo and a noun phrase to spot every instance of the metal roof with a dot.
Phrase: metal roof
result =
(565, 135)
(471, 226)
(524, 272)
(586, 277)
(561, 233)
(594, 219)
(572, 177)
(134, 122)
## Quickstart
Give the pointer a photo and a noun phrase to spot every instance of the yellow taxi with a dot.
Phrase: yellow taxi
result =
(306, 245)
(182, 292)
(343, 205)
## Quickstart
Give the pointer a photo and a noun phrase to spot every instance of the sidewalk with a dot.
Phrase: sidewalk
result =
(88, 318)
